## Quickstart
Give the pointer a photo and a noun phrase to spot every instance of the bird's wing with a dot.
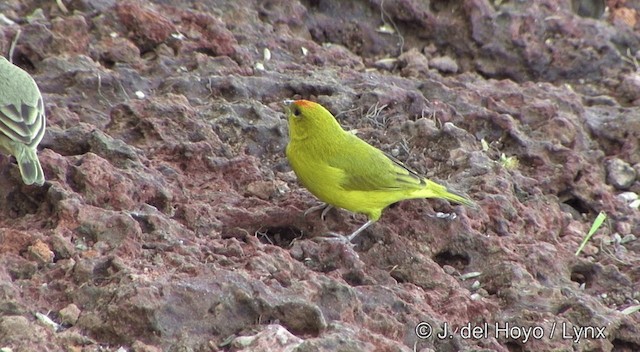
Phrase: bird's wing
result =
(366, 168)
(24, 123)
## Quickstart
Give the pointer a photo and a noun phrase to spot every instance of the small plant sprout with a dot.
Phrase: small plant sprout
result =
(597, 223)
(509, 163)
(485, 145)
(631, 310)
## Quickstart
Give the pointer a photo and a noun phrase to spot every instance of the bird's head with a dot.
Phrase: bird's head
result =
(307, 118)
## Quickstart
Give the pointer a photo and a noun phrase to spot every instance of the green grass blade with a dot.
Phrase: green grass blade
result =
(594, 227)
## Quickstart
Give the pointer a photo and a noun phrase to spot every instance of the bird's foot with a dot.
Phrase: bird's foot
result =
(326, 207)
(335, 237)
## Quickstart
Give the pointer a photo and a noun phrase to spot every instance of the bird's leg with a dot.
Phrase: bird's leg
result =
(357, 232)
(325, 206)
(332, 236)
(325, 211)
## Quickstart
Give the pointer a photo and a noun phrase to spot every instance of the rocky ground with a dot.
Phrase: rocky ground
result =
(171, 221)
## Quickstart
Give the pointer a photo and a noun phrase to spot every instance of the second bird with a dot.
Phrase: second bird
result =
(22, 120)
(344, 171)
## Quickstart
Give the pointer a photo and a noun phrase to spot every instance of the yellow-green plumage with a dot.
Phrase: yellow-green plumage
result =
(342, 170)
(22, 120)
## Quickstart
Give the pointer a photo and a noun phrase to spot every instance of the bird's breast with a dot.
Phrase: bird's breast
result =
(314, 172)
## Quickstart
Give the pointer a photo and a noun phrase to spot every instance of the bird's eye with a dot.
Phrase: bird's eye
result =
(296, 111)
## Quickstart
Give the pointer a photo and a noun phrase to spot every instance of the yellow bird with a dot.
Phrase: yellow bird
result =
(22, 120)
(344, 171)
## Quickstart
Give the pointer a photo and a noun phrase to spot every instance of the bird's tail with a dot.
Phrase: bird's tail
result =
(434, 190)
(29, 165)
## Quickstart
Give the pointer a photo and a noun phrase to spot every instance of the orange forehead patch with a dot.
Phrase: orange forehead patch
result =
(304, 103)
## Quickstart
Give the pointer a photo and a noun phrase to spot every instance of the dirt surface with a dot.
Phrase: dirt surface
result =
(171, 221)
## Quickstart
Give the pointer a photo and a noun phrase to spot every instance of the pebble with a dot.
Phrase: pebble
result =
(444, 64)
(620, 174)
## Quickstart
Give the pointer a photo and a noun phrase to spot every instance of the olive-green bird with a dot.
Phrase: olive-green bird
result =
(22, 120)
(344, 171)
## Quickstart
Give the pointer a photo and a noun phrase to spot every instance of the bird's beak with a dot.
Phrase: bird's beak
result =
(287, 106)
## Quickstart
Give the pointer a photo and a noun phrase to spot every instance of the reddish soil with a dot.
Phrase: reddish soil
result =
(171, 221)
